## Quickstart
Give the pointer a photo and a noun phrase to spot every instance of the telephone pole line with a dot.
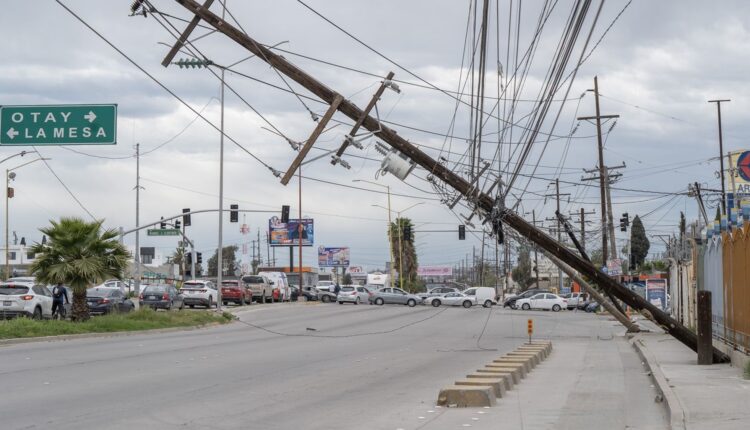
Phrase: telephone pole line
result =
(609, 180)
(721, 157)
(559, 228)
(582, 215)
(487, 206)
(600, 146)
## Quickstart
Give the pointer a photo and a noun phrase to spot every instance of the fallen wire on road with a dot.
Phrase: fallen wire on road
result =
(334, 336)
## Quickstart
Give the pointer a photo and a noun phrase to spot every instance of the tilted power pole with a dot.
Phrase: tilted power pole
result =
(486, 205)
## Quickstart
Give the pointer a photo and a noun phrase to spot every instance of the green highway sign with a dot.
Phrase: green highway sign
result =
(58, 125)
(163, 232)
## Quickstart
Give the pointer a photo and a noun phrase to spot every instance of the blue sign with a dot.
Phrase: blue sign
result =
(656, 293)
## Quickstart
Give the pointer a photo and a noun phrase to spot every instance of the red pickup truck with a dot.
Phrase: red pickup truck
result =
(235, 292)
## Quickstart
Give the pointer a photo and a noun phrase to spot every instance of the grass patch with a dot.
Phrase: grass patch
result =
(142, 319)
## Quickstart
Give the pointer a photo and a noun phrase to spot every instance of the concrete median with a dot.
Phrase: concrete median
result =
(544, 352)
(513, 376)
(463, 396)
(534, 357)
(497, 384)
(527, 364)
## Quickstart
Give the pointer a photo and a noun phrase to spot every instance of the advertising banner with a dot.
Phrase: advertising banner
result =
(333, 257)
(656, 293)
(435, 271)
(356, 269)
(287, 234)
(738, 179)
(614, 267)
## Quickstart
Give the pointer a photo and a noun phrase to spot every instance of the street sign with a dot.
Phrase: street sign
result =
(163, 232)
(50, 125)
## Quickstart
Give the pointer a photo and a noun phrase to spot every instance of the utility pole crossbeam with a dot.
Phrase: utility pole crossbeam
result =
(485, 203)
(311, 141)
(361, 119)
(184, 36)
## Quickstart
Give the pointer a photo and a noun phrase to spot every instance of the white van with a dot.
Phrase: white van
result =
(278, 280)
(485, 295)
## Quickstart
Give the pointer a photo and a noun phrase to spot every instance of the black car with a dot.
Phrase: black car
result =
(103, 301)
(308, 292)
(511, 301)
(162, 296)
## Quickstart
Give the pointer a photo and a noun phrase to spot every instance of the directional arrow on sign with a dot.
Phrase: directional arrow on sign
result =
(90, 116)
(12, 133)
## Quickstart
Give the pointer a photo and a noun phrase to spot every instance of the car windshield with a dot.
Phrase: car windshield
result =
(155, 289)
(253, 279)
(97, 292)
(347, 289)
(13, 290)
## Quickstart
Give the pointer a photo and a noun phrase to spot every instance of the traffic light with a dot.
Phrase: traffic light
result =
(285, 214)
(461, 232)
(407, 233)
(163, 224)
(177, 224)
(624, 222)
(189, 258)
(198, 257)
(234, 214)
(186, 218)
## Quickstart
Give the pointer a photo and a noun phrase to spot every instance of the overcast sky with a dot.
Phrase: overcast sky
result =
(657, 67)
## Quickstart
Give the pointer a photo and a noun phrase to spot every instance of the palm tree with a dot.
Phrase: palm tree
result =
(80, 255)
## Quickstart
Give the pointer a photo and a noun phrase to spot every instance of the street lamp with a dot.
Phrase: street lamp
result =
(390, 240)
(9, 176)
(400, 245)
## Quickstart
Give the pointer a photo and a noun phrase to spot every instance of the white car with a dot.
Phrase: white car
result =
(199, 292)
(115, 284)
(353, 294)
(485, 296)
(279, 281)
(452, 299)
(25, 299)
(547, 301)
(325, 286)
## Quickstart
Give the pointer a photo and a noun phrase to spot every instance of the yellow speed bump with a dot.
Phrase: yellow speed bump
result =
(463, 396)
(497, 384)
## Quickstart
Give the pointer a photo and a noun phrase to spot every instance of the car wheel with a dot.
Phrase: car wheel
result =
(379, 301)
(224, 303)
(325, 299)
(192, 306)
(169, 308)
(411, 303)
(467, 304)
(341, 303)
(37, 313)
(435, 303)
(210, 302)
(356, 302)
(487, 303)
(556, 308)
(526, 306)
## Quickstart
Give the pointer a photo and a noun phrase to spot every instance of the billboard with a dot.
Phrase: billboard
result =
(738, 179)
(614, 267)
(287, 234)
(656, 293)
(333, 257)
(356, 269)
(435, 271)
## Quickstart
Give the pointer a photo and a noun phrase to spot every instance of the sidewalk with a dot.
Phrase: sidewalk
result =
(714, 397)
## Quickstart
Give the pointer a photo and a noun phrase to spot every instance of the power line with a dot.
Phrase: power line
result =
(64, 185)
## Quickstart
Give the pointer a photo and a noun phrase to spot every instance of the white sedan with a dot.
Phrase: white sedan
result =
(543, 301)
(452, 299)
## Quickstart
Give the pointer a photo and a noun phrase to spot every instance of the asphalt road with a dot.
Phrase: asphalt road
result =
(316, 366)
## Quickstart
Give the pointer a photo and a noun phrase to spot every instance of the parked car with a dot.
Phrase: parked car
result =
(510, 302)
(484, 295)
(394, 295)
(437, 291)
(310, 293)
(592, 307)
(104, 300)
(260, 287)
(162, 296)
(353, 294)
(22, 298)
(327, 296)
(279, 281)
(547, 301)
(199, 292)
(325, 286)
(452, 299)
(115, 283)
(577, 300)
(235, 291)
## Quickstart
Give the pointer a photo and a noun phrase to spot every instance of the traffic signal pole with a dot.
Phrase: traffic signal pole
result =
(486, 205)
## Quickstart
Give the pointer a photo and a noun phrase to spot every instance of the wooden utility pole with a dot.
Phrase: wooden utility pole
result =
(600, 146)
(721, 157)
(559, 229)
(487, 207)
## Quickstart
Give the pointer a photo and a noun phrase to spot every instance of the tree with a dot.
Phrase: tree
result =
(347, 278)
(229, 255)
(409, 254)
(80, 255)
(639, 243)
(522, 272)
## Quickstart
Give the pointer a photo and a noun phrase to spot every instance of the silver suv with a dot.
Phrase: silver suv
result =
(260, 286)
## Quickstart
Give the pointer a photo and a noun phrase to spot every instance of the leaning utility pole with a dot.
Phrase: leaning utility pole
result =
(559, 229)
(600, 146)
(137, 218)
(721, 157)
(487, 207)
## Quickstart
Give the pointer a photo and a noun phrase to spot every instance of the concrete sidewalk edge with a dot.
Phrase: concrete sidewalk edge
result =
(674, 406)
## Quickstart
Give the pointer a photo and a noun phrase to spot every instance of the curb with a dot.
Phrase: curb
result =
(674, 406)
(63, 337)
